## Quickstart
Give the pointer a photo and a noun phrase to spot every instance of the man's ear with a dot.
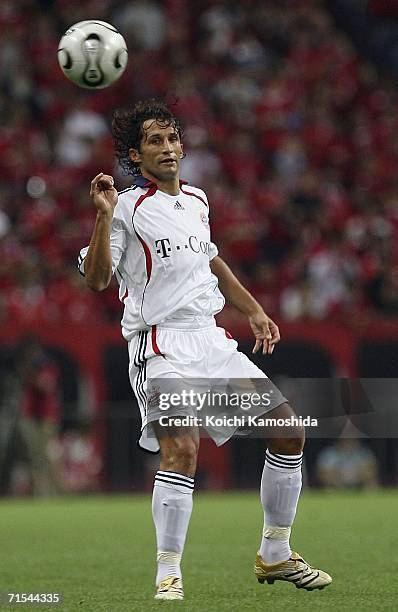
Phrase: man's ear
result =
(182, 152)
(135, 155)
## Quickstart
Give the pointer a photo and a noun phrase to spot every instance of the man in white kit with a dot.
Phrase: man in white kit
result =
(155, 237)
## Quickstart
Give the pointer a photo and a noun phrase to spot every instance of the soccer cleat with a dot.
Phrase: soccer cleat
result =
(294, 570)
(170, 588)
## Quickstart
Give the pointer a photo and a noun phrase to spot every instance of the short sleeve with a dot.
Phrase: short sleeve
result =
(81, 258)
(213, 251)
(118, 241)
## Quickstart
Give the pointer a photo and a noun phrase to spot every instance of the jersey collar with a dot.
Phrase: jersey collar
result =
(142, 181)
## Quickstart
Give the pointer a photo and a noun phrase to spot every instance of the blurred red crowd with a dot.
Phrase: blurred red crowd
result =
(292, 136)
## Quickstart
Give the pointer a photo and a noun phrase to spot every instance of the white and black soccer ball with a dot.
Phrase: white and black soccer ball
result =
(92, 54)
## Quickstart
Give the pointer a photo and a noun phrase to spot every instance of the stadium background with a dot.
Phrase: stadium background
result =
(290, 127)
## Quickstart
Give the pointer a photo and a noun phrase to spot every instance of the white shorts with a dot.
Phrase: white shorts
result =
(185, 353)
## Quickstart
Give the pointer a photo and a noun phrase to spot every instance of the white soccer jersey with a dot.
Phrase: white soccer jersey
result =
(161, 248)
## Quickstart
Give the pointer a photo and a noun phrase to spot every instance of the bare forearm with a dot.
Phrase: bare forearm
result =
(233, 291)
(264, 329)
(98, 261)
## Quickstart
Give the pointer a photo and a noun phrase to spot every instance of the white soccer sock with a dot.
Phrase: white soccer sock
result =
(171, 510)
(280, 491)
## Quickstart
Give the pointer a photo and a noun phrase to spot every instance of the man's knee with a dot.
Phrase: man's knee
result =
(287, 446)
(179, 451)
(288, 439)
(179, 455)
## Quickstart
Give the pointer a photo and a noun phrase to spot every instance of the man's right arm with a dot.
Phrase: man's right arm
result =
(98, 261)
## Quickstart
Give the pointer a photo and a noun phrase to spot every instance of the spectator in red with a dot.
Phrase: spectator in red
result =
(40, 414)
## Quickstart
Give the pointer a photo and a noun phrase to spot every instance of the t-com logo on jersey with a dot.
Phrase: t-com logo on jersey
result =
(164, 248)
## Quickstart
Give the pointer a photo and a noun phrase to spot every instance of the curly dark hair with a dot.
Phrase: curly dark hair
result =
(127, 129)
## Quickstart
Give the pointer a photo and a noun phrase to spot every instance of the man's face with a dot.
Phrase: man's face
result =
(160, 151)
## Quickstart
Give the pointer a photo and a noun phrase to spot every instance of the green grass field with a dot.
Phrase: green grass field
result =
(99, 553)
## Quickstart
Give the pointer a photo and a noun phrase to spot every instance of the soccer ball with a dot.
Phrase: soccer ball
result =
(92, 54)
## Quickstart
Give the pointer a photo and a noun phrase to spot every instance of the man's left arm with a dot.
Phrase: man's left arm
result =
(264, 329)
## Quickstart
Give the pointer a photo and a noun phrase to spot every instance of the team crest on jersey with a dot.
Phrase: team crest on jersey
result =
(204, 218)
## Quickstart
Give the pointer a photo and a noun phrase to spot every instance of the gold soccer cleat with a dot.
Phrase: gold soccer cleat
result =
(170, 588)
(294, 570)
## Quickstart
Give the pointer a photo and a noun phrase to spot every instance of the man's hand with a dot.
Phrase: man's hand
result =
(98, 261)
(265, 331)
(103, 193)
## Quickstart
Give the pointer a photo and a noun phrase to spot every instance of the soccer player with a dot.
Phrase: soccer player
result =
(155, 237)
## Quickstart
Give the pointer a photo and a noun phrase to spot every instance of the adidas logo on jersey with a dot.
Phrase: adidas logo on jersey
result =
(178, 206)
